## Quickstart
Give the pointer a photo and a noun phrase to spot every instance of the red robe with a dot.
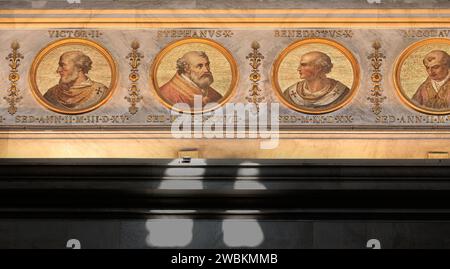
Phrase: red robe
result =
(178, 90)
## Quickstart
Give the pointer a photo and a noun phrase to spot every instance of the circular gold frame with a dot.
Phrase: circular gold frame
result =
(234, 72)
(397, 69)
(71, 41)
(332, 43)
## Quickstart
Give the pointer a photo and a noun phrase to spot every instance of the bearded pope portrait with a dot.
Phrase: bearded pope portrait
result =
(75, 89)
(193, 77)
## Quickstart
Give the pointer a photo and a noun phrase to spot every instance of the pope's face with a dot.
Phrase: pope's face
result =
(67, 69)
(199, 71)
(437, 69)
(307, 69)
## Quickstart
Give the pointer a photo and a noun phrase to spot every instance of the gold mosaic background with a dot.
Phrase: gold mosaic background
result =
(220, 67)
(47, 77)
(413, 72)
(342, 68)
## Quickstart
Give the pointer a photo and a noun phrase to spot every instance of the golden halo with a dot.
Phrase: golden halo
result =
(322, 41)
(407, 53)
(71, 42)
(229, 92)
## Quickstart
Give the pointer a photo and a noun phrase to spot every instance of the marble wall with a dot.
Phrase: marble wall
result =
(376, 53)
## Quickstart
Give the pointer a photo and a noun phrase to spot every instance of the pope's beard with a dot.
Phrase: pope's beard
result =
(203, 81)
(66, 82)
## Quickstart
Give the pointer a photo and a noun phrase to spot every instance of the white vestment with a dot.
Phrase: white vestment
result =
(299, 94)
